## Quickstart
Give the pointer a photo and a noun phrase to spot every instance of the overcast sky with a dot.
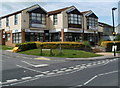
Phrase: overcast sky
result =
(102, 8)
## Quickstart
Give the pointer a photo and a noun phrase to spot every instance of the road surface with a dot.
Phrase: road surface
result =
(23, 70)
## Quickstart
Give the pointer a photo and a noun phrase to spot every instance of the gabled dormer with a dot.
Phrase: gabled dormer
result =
(91, 20)
(37, 17)
(74, 18)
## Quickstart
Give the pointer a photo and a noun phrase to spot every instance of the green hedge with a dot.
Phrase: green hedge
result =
(26, 46)
(108, 45)
(48, 45)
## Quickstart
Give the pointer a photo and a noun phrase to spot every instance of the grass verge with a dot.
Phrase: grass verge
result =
(3, 47)
(65, 53)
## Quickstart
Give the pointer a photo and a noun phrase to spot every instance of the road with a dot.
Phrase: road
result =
(23, 70)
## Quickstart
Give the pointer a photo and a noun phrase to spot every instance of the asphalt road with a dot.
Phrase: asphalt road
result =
(23, 70)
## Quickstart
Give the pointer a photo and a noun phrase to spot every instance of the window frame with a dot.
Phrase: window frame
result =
(55, 19)
(15, 19)
(7, 21)
(8, 36)
(17, 37)
(92, 21)
(74, 19)
(38, 18)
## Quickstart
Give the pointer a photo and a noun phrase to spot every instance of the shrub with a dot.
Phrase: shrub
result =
(64, 45)
(26, 46)
(108, 45)
(87, 43)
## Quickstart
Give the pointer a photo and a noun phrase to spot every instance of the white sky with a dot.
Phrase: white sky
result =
(102, 8)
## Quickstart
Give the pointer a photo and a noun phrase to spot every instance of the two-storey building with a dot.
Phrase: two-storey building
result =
(36, 24)
(105, 31)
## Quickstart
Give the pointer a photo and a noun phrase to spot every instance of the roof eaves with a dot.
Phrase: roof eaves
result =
(17, 12)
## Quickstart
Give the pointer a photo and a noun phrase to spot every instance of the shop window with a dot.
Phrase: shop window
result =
(8, 37)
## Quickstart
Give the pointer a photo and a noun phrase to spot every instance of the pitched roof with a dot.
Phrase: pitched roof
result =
(104, 24)
(84, 12)
(18, 11)
(58, 11)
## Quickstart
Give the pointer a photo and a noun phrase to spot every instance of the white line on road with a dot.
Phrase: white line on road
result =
(63, 68)
(24, 81)
(107, 73)
(98, 76)
(12, 80)
(40, 65)
(60, 71)
(90, 80)
(39, 75)
(28, 69)
(24, 78)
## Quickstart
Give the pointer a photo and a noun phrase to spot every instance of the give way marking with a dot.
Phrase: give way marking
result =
(40, 65)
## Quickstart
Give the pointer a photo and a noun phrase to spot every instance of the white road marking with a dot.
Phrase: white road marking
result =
(46, 72)
(50, 73)
(39, 75)
(88, 65)
(98, 76)
(24, 57)
(83, 66)
(28, 69)
(71, 67)
(75, 68)
(40, 65)
(107, 73)
(63, 68)
(55, 70)
(24, 81)
(60, 71)
(24, 78)
(56, 74)
(78, 65)
(12, 80)
(90, 80)
(68, 70)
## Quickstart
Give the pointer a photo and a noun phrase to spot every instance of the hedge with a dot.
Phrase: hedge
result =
(49, 45)
(26, 46)
(108, 45)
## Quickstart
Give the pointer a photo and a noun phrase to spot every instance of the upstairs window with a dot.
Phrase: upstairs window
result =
(37, 18)
(0, 23)
(92, 22)
(74, 19)
(7, 21)
(16, 19)
(55, 19)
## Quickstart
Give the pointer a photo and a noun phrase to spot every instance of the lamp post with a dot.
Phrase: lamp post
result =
(113, 9)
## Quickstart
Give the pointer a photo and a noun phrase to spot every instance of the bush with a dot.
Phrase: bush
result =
(64, 45)
(50, 45)
(87, 43)
(108, 45)
(26, 46)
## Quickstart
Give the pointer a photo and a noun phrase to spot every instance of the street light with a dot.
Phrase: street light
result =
(113, 9)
